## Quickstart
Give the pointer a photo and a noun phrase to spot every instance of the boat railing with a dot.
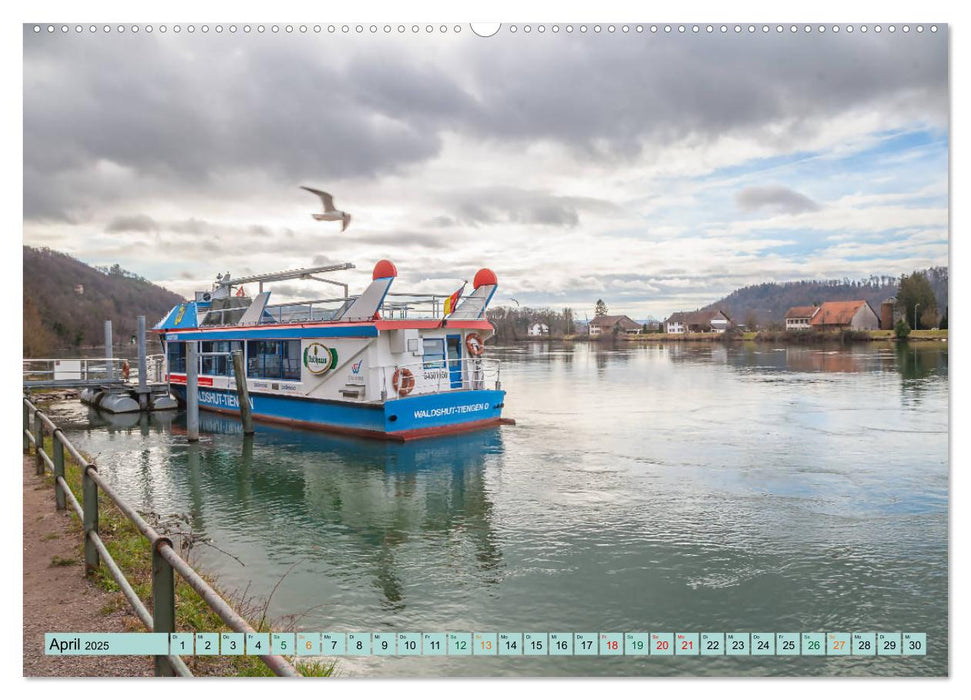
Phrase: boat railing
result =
(396, 305)
(440, 376)
(313, 311)
(405, 305)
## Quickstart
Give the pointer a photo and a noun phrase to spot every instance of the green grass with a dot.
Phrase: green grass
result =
(914, 335)
(131, 551)
(62, 561)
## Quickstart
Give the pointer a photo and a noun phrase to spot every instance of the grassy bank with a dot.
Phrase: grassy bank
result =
(914, 335)
(131, 551)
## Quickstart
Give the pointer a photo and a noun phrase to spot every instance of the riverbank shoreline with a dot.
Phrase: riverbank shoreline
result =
(770, 337)
(101, 599)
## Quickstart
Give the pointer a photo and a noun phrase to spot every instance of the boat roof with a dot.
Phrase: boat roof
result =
(220, 311)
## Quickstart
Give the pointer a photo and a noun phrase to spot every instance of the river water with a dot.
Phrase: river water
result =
(666, 487)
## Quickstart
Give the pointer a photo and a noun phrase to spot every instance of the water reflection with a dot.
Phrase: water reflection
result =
(375, 498)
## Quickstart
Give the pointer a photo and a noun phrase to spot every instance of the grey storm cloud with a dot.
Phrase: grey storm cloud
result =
(407, 239)
(139, 223)
(499, 205)
(774, 198)
(110, 118)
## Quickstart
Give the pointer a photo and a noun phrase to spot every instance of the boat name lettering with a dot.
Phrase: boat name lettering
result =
(450, 410)
(435, 374)
(214, 398)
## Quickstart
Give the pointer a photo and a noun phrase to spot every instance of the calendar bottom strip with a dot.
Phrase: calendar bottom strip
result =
(890, 644)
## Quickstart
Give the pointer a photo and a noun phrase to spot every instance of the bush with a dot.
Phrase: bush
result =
(901, 329)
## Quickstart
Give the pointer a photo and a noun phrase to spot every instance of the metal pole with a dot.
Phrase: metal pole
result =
(242, 393)
(38, 443)
(163, 601)
(192, 390)
(26, 428)
(142, 366)
(108, 350)
(89, 489)
(58, 470)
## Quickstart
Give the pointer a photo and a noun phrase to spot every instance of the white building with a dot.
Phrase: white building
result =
(537, 330)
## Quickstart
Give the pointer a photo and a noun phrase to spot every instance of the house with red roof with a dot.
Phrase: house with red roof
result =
(607, 325)
(697, 322)
(840, 315)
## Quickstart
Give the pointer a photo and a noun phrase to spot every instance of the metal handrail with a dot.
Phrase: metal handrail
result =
(474, 372)
(165, 560)
(93, 369)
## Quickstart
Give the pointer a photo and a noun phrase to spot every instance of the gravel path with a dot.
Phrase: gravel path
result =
(58, 597)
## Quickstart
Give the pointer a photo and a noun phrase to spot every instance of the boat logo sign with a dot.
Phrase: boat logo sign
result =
(319, 359)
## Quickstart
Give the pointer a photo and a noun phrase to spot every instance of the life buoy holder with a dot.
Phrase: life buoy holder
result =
(125, 370)
(403, 381)
(474, 344)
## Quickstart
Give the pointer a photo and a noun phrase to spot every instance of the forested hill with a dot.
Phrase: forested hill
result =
(59, 314)
(770, 301)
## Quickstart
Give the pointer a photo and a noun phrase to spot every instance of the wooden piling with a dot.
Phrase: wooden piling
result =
(242, 392)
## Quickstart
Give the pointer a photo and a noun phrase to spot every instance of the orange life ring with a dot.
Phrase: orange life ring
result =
(474, 344)
(125, 370)
(403, 381)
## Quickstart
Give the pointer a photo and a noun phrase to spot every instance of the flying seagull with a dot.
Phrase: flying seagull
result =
(330, 213)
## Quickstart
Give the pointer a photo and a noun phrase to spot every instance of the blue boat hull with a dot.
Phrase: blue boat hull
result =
(406, 418)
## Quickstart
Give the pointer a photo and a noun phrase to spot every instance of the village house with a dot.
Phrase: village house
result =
(537, 330)
(840, 315)
(798, 318)
(697, 322)
(605, 325)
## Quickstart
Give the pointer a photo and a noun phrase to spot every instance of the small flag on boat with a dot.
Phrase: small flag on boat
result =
(453, 300)
(240, 292)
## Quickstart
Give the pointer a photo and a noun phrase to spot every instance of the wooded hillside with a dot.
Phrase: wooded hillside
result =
(59, 315)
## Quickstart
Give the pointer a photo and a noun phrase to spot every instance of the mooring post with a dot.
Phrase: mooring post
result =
(38, 443)
(108, 350)
(58, 469)
(242, 392)
(163, 602)
(142, 366)
(192, 390)
(89, 494)
(26, 428)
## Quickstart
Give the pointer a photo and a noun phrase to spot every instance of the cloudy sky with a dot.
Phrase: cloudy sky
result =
(658, 172)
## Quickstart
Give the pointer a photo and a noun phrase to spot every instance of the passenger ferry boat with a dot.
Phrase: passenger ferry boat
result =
(380, 364)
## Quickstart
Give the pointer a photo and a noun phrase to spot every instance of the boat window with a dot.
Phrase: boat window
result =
(273, 359)
(217, 359)
(176, 356)
(433, 350)
(291, 359)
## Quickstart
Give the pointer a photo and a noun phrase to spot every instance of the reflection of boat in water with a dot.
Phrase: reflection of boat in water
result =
(350, 501)
(394, 366)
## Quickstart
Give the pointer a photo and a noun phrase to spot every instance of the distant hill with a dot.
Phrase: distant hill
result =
(59, 314)
(770, 301)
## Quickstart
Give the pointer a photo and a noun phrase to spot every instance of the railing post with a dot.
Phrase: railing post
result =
(163, 601)
(38, 443)
(26, 428)
(89, 492)
(58, 469)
